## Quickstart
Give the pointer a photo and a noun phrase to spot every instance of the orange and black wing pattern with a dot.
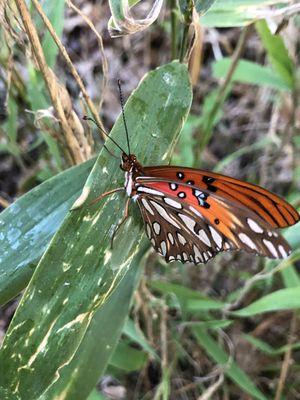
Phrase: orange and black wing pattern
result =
(272, 209)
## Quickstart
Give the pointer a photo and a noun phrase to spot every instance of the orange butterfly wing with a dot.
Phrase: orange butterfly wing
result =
(275, 211)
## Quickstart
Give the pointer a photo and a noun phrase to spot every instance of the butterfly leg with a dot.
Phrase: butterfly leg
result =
(106, 194)
(125, 216)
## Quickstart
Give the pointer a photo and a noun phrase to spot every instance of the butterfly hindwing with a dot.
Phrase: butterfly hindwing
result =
(171, 237)
(209, 224)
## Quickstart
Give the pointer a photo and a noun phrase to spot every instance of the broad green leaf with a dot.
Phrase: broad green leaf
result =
(233, 370)
(79, 273)
(97, 346)
(28, 225)
(250, 72)
(278, 54)
(228, 13)
(284, 299)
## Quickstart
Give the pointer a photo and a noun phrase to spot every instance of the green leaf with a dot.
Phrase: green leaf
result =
(28, 225)
(79, 276)
(137, 336)
(96, 396)
(211, 324)
(204, 305)
(127, 358)
(278, 54)
(251, 73)
(203, 5)
(284, 299)
(55, 12)
(233, 370)
(183, 293)
(228, 13)
(266, 348)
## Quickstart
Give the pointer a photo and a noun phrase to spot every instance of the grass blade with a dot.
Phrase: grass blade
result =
(284, 299)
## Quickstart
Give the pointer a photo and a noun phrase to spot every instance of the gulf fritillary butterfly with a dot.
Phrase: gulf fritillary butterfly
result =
(190, 215)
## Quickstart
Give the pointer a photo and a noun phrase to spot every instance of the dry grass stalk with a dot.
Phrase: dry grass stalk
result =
(195, 53)
(287, 358)
(68, 61)
(61, 105)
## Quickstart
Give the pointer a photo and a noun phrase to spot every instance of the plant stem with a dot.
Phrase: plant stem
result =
(188, 17)
(174, 30)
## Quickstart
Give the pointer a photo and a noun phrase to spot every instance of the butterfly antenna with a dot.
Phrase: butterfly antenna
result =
(86, 118)
(123, 114)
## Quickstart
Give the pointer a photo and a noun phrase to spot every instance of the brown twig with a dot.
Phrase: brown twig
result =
(212, 388)
(195, 53)
(68, 61)
(50, 81)
(3, 202)
(287, 358)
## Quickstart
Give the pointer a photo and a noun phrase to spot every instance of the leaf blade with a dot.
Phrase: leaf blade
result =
(85, 276)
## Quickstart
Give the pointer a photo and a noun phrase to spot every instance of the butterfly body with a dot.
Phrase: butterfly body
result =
(191, 215)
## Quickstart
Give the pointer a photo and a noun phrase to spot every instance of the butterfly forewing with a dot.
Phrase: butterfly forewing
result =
(268, 206)
(188, 224)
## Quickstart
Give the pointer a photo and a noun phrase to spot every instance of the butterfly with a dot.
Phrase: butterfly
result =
(190, 215)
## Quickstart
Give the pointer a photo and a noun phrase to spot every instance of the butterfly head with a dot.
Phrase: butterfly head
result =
(130, 163)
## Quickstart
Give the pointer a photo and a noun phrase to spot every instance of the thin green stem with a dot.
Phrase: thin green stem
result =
(174, 29)
(188, 16)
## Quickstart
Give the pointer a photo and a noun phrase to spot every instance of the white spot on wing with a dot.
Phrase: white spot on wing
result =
(189, 222)
(181, 239)
(271, 247)
(247, 241)
(172, 203)
(171, 238)
(216, 236)
(254, 226)
(282, 251)
(198, 255)
(147, 206)
(156, 228)
(163, 248)
(204, 238)
(147, 190)
(164, 214)
(185, 257)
